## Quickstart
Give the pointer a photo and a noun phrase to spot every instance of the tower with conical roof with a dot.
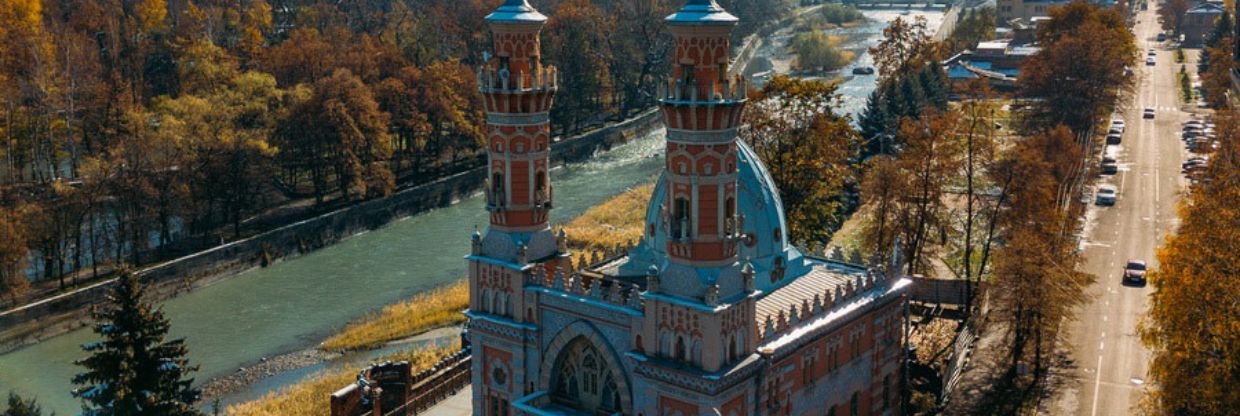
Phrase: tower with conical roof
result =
(518, 91)
(702, 107)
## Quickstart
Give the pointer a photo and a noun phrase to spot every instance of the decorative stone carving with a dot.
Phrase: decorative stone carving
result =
(561, 241)
(521, 253)
(747, 275)
(712, 295)
(652, 279)
(475, 242)
(634, 297)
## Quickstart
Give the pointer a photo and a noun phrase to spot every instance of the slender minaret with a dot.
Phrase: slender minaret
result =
(518, 91)
(702, 105)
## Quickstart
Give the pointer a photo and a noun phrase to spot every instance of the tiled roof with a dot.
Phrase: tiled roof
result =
(821, 280)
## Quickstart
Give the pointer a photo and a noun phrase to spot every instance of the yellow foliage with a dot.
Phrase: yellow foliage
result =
(619, 220)
(151, 14)
(311, 396)
(440, 307)
(28, 12)
(1193, 326)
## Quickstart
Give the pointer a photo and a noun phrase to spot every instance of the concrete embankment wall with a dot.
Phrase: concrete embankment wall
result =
(65, 312)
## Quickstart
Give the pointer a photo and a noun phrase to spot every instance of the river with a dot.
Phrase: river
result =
(294, 304)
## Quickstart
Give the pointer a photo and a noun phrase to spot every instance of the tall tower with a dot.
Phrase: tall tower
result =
(518, 91)
(702, 108)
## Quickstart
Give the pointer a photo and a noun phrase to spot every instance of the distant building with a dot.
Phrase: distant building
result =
(1199, 22)
(997, 61)
(713, 312)
(1008, 10)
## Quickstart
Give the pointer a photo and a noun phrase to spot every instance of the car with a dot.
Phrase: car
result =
(1106, 195)
(1114, 138)
(1194, 123)
(1115, 130)
(1134, 272)
(1149, 61)
(1194, 160)
(1148, 113)
(1151, 52)
(1162, 37)
(1109, 167)
(1118, 124)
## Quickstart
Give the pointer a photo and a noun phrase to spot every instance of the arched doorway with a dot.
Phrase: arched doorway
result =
(583, 381)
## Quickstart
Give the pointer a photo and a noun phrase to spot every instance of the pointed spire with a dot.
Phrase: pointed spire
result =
(516, 11)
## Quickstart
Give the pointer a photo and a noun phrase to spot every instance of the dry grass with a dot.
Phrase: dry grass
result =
(616, 221)
(426, 311)
(311, 397)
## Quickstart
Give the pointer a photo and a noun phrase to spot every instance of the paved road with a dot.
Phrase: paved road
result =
(1111, 361)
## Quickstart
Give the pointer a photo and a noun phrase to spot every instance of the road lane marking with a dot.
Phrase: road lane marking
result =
(1097, 384)
(1101, 345)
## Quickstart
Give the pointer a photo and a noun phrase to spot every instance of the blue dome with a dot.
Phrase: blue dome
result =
(758, 201)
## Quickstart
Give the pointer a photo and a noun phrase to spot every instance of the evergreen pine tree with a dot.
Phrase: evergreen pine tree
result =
(22, 407)
(914, 98)
(133, 370)
(934, 86)
(874, 121)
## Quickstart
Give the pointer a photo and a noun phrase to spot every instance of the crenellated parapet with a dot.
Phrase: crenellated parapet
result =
(587, 286)
(832, 298)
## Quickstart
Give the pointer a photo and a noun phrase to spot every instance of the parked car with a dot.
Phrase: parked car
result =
(1150, 52)
(1162, 37)
(1106, 195)
(1134, 272)
(1149, 61)
(1118, 123)
(1114, 138)
(1148, 113)
(1193, 161)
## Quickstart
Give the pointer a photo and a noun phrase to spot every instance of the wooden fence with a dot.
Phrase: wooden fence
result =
(378, 392)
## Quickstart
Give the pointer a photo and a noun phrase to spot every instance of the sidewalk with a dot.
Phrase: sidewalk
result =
(460, 404)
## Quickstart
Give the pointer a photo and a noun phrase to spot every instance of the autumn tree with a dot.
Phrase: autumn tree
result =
(807, 149)
(906, 48)
(1191, 326)
(576, 42)
(1079, 75)
(929, 160)
(1171, 14)
(13, 252)
(134, 370)
(1034, 284)
(339, 133)
(979, 149)
(974, 26)
(882, 190)
(1216, 80)
(640, 54)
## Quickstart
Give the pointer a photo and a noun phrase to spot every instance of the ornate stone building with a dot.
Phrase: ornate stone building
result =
(713, 312)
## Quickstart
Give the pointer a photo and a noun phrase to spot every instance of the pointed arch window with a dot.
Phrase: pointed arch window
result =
(583, 380)
(680, 218)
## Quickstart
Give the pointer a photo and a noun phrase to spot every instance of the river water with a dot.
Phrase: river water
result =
(294, 304)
